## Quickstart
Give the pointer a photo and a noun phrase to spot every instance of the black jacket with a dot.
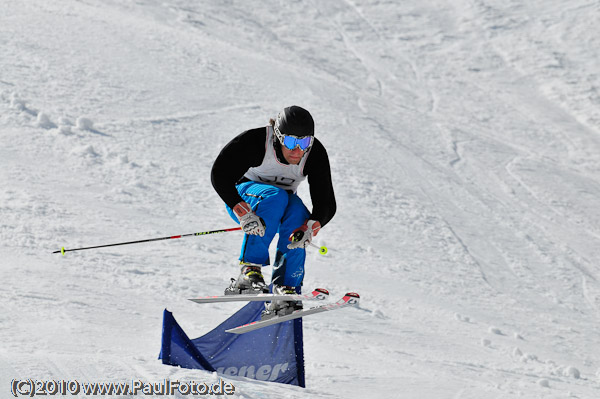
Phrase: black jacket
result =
(248, 150)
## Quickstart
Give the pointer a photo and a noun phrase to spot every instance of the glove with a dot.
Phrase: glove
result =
(302, 236)
(251, 223)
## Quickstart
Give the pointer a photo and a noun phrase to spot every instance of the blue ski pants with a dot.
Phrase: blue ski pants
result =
(283, 212)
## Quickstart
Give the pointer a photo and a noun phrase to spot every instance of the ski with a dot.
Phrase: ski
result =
(350, 299)
(316, 294)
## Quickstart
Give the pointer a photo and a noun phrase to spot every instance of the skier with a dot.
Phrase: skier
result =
(257, 175)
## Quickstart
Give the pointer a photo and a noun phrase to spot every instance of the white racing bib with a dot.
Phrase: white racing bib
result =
(275, 173)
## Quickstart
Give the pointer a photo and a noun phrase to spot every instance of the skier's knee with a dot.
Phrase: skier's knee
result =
(275, 197)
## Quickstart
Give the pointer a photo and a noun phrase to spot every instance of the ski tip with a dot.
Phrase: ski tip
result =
(352, 298)
(320, 293)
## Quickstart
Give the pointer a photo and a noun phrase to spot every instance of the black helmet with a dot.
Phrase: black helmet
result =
(295, 121)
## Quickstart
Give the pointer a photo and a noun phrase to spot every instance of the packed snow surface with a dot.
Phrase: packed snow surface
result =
(464, 138)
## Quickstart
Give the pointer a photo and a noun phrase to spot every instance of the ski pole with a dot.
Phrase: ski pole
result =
(297, 236)
(322, 250)
(63, 250)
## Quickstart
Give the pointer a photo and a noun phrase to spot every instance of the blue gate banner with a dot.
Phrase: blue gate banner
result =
(274, 353)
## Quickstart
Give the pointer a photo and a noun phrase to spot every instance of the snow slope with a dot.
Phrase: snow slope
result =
(465, 143)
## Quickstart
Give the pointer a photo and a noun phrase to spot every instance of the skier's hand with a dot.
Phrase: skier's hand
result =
(302, 236)
(251, 223)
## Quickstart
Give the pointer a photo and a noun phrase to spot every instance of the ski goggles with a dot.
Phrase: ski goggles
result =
(291, 142)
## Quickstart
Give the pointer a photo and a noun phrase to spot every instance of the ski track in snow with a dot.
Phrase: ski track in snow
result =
(464, 139)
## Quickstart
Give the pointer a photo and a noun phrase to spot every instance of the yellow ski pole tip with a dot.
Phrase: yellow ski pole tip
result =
(62, 251)
(323, 250)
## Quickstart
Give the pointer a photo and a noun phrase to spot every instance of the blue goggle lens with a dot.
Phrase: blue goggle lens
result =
(292, 142)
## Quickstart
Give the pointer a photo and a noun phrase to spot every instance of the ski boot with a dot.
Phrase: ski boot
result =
(281, 308)
(250, 281)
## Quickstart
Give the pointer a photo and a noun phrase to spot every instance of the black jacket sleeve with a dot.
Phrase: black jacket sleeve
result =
(243, 152)
(321, 187)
